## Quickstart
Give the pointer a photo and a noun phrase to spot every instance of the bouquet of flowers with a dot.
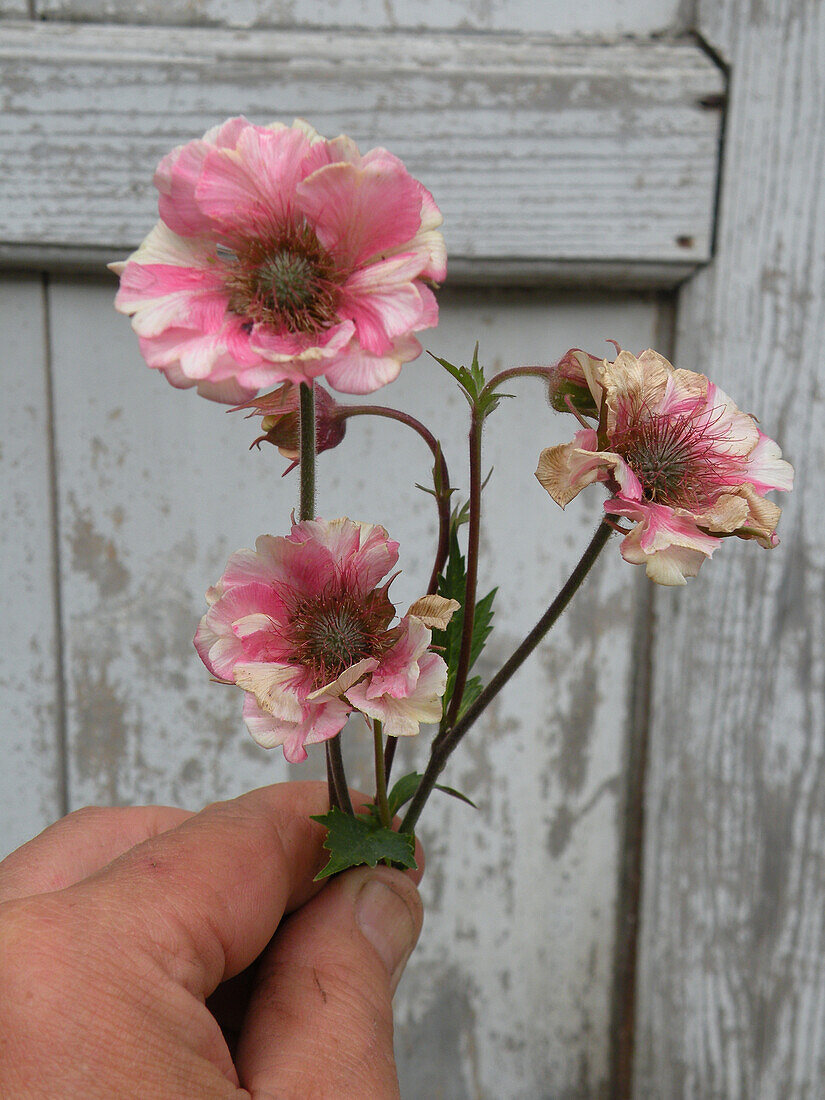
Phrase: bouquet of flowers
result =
(281, 258)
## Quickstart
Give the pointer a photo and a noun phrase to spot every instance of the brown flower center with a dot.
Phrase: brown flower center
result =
(674, 458)
(289, 282)
(336, 630)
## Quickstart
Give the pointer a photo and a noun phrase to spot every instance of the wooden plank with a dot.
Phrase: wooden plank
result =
(30, 718)
(535, 150)
(732, 979)
(158, 487)
(14, 9)
(602, 17)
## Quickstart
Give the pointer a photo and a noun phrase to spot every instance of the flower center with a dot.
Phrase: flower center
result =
(334, 631)
(674, 459)
(336, 639)
(288, 282)
(290, 278)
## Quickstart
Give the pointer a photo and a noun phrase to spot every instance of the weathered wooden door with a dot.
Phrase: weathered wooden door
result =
(662, 756)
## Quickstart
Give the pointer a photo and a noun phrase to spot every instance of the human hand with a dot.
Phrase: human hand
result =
(117, 924)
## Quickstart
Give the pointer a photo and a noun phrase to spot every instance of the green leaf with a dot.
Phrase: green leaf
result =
(456, 794)
(472, 689)
(482, 625)
(470, 379)
(402, 791)
(452, 586)
(358, 840)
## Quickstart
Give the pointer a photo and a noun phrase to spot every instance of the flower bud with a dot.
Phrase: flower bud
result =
(569, 383)
(281, 421)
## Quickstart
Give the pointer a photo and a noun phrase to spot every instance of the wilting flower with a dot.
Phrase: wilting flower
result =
(680, 461)
(303, 625)
(281, 256)
(280, 410)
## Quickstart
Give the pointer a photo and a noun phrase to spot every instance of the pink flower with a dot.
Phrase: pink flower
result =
(281, 421)
(281, 256)
(680, 461)
(302, 624)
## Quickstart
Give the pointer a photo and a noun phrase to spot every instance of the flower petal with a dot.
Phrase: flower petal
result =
(434, 611)
(359, 212)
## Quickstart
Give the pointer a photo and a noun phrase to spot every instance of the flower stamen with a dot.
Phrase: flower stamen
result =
(289, 282)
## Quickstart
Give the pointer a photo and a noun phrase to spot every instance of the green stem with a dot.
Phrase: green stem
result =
(380, 776)
(446, 742)
(306, 507)
(469, 605)
(441, 476)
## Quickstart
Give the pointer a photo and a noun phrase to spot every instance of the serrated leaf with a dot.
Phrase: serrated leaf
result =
(452, 586)
(472, 689)
(355, 841)
(482, 625)
(470, 379)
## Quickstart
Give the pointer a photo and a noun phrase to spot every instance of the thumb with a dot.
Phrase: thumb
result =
(320, 1021)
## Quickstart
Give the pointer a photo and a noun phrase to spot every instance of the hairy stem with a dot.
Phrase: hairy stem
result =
(389, 756)
(441, 476)
(306, 507)
(446, 742)
(380, 776)
(469, 604)
(516, 372)
(337, 775)
(332, 792)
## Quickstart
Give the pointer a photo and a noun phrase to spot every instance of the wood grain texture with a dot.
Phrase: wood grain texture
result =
(30, 719)
(602, 17)
(535, 150)
(508, 992)
(732, 978)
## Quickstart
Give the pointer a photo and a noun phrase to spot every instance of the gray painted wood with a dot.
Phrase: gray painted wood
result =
(732, 978)
(600, 17)
(508, 994)
(30, 719)
(536, 151)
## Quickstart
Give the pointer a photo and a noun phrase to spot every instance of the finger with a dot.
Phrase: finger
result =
(205, 898)
(79, 845)
(320, 1021)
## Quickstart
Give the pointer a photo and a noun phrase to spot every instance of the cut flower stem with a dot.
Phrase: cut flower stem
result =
(381, 775)
(336, 776)
(446, 741)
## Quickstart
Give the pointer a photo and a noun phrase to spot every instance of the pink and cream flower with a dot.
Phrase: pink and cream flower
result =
(281, 256)
(304, 625)
(679, 459)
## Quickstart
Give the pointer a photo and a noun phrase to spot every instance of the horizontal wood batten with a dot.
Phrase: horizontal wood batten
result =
(550, 16)
(512, 272)
(537, 151)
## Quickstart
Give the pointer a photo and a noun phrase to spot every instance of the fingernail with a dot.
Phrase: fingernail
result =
(386, 921)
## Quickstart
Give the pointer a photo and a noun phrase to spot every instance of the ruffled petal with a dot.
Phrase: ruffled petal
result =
(766, 468)
(358, 212)
(359, 371)
(401, 716)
